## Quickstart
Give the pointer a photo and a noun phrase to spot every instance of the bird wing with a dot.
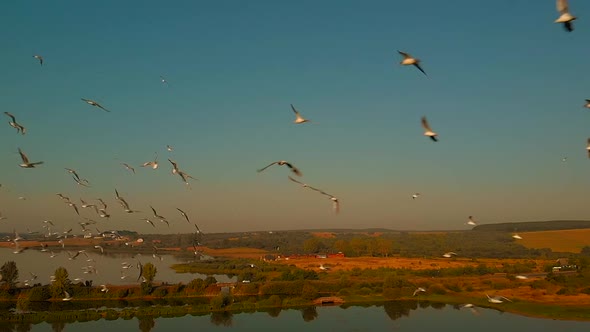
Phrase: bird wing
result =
(404, 54)
(102, 108)
(23, 156)
(301, 183)
(562, 6)
(420, 68)
(425, 124)
(262, 169)
(294, 169)
(11, 116)
(155, 214)
(295, 111)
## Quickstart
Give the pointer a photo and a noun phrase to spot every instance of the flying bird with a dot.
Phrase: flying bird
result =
(298, 118)
(281, 163)
(419, 290)
(19, 128)
(67, 296)
(153, 164)
(40, 58)
(497, 299)
(409, 60)
(129, 168)
(588, 147)
(104, 288)
(471, 221)
(565, 16)
(516, 236)
(163, 80)
(184, 215)
(169, 148)
(26, 163)
(449, 254)
(587, 105)
(416, 195)
(428, 131)
(93, 103)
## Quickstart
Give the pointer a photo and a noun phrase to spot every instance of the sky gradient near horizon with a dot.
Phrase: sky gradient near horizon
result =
(505, 92)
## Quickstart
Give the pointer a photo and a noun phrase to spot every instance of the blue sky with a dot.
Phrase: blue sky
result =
(505, 92)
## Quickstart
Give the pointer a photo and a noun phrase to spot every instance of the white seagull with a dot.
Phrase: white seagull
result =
(68, 297)
(419, 290)
(408, 60)
(471, 221)
(104, 288)
(428, 131)
(26, 163)
(416, 195)
(565, 16)
(497, 299)
(588, 147)
(93, 103)
(129, 168)
(298, 118)
(587, 105)
(169, 148)
(15, 125)
(152, 164)
(516, 236)
(40, 58)
(449, 254)
(281, 163)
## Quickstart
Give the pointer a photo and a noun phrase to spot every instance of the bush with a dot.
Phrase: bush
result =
(364, 291)
(39, 294)
(454, 287)
(437, 289)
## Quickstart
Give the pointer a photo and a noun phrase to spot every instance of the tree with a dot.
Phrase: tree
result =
(384, 246)
(313, 245)
(9, 273)
(309, 314)
(149, 273)
(146, 323)
(61, 284)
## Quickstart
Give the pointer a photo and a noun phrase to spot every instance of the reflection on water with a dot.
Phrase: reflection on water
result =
(108, 267)
(395, 315)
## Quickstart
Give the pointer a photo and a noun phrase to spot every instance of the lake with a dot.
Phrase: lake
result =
(108, 267)
(391, 316)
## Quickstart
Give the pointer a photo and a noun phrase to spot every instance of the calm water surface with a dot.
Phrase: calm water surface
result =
(108, 267)
(387, 317)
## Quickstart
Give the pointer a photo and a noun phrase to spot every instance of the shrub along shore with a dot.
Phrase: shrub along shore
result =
(280, 286)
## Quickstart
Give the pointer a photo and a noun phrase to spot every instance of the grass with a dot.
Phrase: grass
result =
(569, 240)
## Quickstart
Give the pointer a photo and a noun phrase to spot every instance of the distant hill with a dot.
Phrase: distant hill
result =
(531, 226)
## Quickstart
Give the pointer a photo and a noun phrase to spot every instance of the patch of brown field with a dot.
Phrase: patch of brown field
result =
(324, 235)
(569, 240)
(349, 263)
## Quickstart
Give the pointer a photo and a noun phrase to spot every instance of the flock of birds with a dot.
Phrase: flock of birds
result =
(100, 207)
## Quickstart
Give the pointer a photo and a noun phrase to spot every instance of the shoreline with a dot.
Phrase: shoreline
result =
(571, 312)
